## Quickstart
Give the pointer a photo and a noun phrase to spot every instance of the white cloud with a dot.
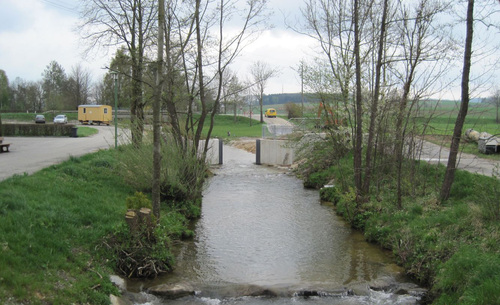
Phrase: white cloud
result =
(41, 34)
(279, 49)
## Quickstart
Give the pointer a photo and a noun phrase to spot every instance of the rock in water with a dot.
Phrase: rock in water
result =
(172, 291)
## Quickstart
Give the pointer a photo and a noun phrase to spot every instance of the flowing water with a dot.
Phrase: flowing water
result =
(264, 239)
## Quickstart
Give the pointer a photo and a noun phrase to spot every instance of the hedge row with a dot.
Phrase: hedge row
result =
(37, 130)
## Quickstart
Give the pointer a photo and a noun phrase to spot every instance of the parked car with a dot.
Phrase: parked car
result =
(61, 119)
(40, 119)
(270, 113)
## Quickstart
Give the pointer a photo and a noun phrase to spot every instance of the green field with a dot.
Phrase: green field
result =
(239, 128)
(440, 119)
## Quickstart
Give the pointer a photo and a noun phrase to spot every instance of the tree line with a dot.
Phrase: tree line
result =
(56, 90)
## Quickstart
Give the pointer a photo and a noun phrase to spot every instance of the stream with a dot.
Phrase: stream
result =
(264, 239)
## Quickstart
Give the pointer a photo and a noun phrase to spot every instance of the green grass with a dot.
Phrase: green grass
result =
(241, 128)
(453, 248)
(86, 131)
(52, 227)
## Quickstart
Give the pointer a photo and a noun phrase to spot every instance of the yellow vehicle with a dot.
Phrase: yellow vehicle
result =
(99, 114)
(270, 113)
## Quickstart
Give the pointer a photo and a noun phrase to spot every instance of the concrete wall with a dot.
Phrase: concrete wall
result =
(274, 152)
(215, 151)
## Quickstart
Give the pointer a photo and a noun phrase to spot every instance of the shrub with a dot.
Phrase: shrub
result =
(330, 194)
(293, 110)
(182, 176)
(37, 130)
(138, 201)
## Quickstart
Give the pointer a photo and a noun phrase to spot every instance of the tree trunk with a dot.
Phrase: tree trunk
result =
(359, 107)
(156, 187)
(464, 106)
(201, 81)
(374, 108)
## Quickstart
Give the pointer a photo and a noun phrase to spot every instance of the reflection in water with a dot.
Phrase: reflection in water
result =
(259, 226)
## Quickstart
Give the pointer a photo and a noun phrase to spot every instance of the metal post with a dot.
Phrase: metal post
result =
(221, 148)
(115, 77)
(257, 152)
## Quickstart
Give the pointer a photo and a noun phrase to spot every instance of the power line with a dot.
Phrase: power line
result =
(61, 5)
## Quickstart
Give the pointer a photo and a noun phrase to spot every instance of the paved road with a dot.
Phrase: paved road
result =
(434, 153)
(431, 153)
(31, 154)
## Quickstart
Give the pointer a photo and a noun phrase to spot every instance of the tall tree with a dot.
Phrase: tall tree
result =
(130, 23)
(375, 98)
(261, 74)
(156, 183)
(79, 87)
(358, 133)
(4, 90)
(227, 46)
(464, 106)
(54, 84)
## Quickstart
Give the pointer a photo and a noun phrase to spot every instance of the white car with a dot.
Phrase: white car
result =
(61, 119)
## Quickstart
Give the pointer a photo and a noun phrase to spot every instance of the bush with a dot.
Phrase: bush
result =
(138, 201)
(330, 194)
(37, 130)
(293, 110)
(182, 177)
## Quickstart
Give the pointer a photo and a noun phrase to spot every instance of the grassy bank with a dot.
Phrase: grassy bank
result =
(52, 227)
(452, 248)
(239, 127)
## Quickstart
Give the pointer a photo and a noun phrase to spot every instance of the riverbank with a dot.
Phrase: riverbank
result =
(54, 226)
(452, 247)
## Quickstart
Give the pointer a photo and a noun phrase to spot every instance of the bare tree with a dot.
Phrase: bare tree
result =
(156, 183)
(79, 86)
(251, 19)
(375, 98)
(114, 23)
(261, 73)
(464, 105)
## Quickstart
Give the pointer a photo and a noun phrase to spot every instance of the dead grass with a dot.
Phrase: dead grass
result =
(245, 144)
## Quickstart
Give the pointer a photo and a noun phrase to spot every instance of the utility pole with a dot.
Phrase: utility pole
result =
(302, 85)
(115, 78)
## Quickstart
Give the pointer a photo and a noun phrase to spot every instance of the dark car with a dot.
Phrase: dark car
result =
(40, 119)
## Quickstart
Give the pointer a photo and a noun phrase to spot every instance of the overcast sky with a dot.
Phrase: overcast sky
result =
(35, 32)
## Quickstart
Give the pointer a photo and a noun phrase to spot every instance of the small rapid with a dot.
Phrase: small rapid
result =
(264, 239)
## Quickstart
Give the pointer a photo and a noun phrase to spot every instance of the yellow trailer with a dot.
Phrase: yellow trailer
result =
(99, 114)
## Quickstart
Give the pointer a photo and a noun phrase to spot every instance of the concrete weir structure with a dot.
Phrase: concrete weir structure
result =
(274, 152)
(215, 151)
